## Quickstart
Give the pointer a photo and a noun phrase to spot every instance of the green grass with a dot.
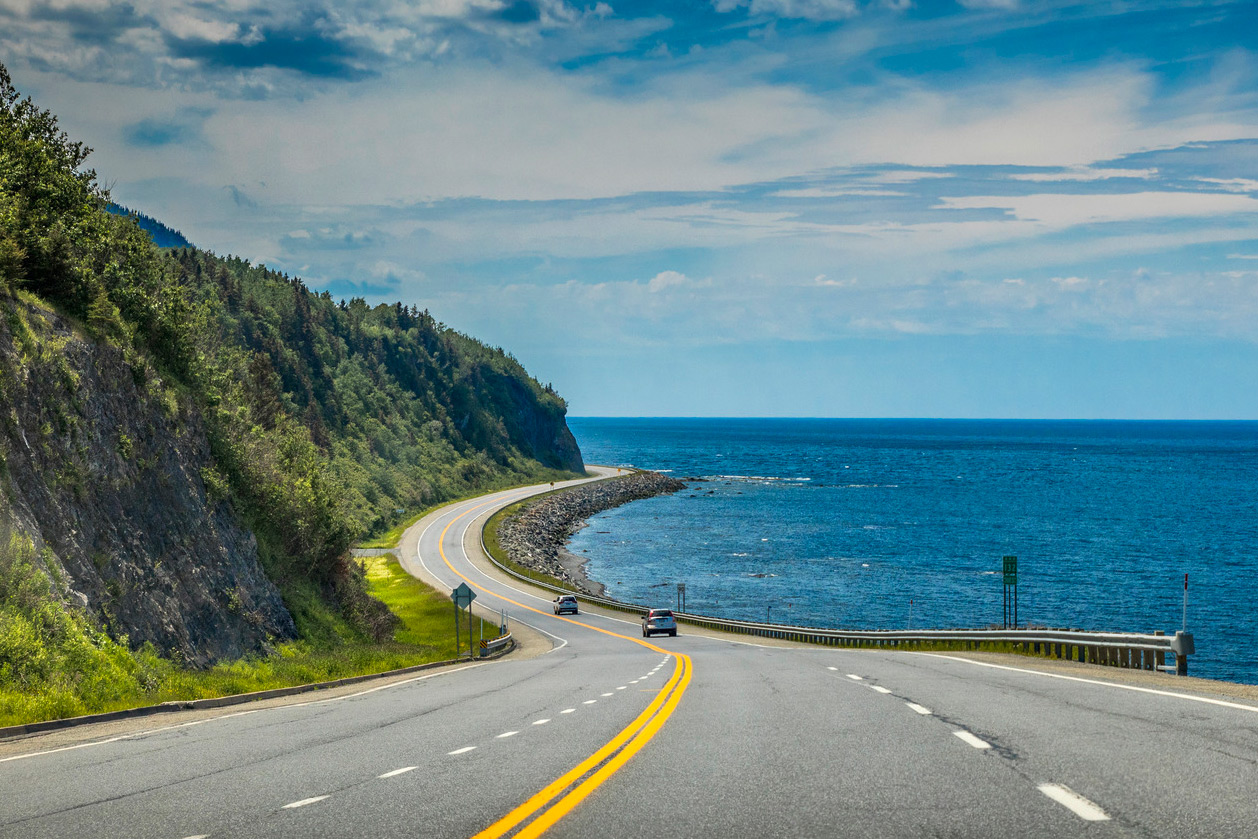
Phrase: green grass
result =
(427, 616)
(54, 663)
(495, 549)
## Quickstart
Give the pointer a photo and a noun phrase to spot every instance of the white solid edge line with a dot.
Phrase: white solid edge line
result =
(136, 735)
(1223, 703)
(401, 771)
(880, 688)
(461, 751)
(967, 737)
(303, 802)
(921, 709)
(1074, 802)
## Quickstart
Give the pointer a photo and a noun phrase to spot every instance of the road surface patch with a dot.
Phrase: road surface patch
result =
(967, 737)
(1074, 802)
(303, 802)
(401, 771)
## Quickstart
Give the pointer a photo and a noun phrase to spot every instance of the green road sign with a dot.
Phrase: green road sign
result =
(1011, 570)
(463, 596)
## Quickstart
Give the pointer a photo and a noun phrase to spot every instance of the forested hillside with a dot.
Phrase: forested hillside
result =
(171, 420)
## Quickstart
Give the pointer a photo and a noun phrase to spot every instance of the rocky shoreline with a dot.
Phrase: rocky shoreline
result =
(536, 536)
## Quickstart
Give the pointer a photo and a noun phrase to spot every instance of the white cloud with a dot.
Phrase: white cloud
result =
(191, 27)
(797, 9)
(1085, 173)
(989, 4)
(835, 192)
(1060, 211)
(664, 280)
(1232, 184)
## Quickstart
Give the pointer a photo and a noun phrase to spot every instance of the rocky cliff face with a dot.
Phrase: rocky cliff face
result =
(110, 473)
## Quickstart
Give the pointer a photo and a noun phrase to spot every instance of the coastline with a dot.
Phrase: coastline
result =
(537, 536)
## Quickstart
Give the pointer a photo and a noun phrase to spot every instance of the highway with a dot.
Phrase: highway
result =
(594, 731)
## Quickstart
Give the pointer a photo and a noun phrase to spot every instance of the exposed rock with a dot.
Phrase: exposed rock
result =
(106, 470)
(535, 537)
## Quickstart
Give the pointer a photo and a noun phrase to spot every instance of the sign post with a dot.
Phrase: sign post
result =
(681, 597)
(1011, 589)
(463, 597)
(1185, 625)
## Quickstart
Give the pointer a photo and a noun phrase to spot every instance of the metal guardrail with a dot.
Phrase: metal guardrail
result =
(1113, 649)
(488, 648)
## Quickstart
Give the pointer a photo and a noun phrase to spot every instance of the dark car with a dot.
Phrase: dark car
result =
(566, 603)
(659, 620)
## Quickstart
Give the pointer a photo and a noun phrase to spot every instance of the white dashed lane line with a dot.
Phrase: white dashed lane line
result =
(604, 695)
(567, 710)
(589, 702)
(303, 802)
(504, 735)
(541, 722)
(1074, 802)
(461, 751)
(401, 771)
(967, 737)
(1063, 795)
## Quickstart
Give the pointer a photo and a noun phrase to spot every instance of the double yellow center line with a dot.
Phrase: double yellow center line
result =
(559, 797)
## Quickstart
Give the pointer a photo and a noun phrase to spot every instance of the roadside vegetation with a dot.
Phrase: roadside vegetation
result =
(55, 663)
(328, 421)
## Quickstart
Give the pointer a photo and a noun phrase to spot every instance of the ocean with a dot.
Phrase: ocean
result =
(883, 524)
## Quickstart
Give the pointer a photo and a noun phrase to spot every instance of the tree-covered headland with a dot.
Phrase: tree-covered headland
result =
(170, 418)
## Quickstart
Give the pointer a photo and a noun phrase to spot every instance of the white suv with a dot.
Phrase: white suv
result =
(659, 620)
(566, 603)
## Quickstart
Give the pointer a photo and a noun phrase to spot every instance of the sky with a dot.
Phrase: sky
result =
(844, 208)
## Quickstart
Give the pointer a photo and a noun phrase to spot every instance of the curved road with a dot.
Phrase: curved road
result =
(595, 731)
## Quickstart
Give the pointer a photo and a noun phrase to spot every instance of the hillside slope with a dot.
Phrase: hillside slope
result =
(187, 438)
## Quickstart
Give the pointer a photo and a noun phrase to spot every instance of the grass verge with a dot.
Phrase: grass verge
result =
(54, 663)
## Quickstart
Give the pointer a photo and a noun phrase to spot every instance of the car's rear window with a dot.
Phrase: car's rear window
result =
(661, 613)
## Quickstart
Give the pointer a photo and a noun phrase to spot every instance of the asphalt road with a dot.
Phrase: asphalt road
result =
(594, 731)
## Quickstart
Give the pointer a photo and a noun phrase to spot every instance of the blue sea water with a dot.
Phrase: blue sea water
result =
(841, 523)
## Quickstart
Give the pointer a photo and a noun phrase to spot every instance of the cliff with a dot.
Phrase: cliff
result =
(192, 442)
(102, 466)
